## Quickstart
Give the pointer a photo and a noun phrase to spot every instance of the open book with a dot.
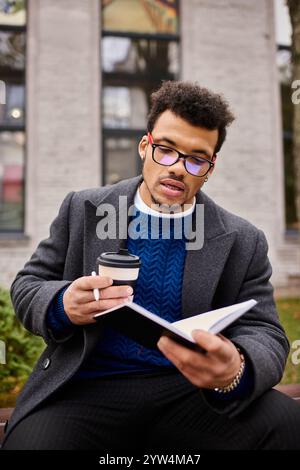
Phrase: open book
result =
(146, 328)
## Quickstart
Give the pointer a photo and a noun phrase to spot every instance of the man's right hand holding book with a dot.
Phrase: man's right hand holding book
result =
(221, 368)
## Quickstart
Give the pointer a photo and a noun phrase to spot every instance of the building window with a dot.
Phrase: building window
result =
(12, 114)
(140, 48)
(285, 74)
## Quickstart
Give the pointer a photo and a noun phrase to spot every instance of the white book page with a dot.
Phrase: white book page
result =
(215, 320)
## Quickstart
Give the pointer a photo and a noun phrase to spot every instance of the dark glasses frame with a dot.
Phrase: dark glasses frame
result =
(181, 156)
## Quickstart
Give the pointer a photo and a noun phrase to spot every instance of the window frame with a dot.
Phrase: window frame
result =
(13, 128)
(287, 138)
(108, 78)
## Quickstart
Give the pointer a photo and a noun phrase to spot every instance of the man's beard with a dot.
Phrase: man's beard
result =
(162, 206)
(155, 201)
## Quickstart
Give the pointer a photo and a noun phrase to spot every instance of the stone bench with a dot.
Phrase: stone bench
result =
(292, 390)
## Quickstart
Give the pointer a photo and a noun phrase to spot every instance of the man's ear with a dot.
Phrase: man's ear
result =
(143, 147)
(213, 167)
(213, 159)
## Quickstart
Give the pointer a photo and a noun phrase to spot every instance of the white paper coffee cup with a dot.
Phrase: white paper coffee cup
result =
(122, 267)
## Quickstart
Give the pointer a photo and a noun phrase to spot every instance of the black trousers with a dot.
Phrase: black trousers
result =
(153, 412)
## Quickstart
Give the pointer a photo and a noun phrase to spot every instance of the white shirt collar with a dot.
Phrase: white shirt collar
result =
(142, 207)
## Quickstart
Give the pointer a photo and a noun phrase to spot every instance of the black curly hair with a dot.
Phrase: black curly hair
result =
(197, 105)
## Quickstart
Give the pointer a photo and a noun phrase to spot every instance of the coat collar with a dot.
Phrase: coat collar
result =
(214, 225)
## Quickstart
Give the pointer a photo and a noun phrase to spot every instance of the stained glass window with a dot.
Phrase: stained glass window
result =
(142, 16)
(12, 12)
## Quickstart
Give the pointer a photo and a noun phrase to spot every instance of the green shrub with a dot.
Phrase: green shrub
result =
(22, 351)
(289, 312)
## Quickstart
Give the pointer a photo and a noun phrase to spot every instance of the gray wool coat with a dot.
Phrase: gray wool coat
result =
(232, 266)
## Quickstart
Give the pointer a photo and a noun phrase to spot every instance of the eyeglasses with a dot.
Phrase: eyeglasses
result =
(168, 156)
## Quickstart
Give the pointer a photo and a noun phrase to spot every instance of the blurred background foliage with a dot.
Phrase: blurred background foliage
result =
(22, 351)
(289, 312)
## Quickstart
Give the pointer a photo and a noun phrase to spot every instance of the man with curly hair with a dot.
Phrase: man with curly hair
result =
(94, 388)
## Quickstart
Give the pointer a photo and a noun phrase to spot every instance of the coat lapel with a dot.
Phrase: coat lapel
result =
(117, 199)
(93, 246)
